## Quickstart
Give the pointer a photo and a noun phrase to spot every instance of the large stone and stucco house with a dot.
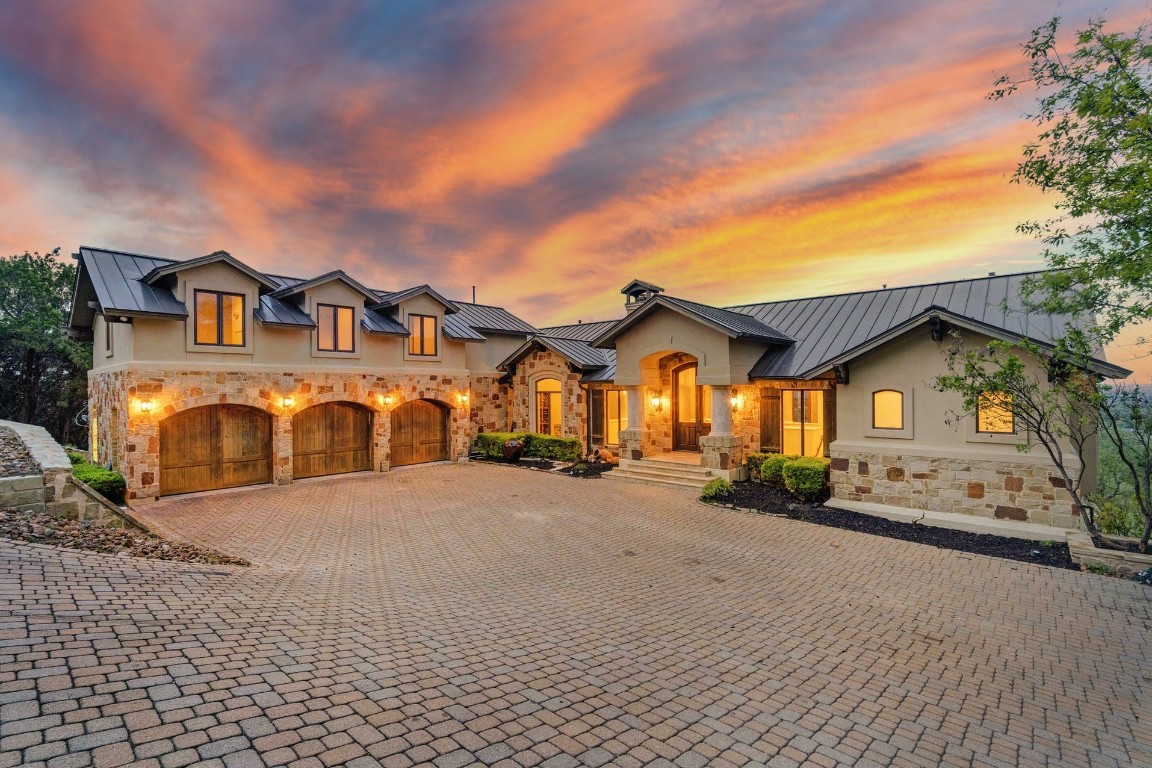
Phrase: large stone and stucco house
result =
(209, 374)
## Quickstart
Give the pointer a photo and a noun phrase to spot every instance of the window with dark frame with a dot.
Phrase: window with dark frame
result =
(219, 319)
(336, 331)
(423, 339)
(888, 409)
(108, 336)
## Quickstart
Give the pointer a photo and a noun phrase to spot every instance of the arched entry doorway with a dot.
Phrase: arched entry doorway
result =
(215, 446)
(691, 409)
(331, 439)
(420, 433)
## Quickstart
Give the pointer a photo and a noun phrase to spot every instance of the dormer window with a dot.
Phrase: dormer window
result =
(337, 326)
(219, 319)
(422, 341)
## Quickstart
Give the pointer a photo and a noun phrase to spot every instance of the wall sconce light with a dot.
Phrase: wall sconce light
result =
(145, 406)
(737, 402)
(289, 402)
(462, 398)
(657, 402)
(388, 399)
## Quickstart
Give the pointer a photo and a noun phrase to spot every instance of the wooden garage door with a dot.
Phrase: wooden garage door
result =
(216, 446)
(330, 439)
(419, 433)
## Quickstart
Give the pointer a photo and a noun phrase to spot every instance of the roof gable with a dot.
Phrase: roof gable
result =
(389, 300)
(336, 275)
(579, 353)
(216, 257)
(732, 324)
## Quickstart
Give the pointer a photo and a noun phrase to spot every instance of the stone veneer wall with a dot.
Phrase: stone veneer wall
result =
(999, 488)
(490, 403)
(130, 439)
(574, 421)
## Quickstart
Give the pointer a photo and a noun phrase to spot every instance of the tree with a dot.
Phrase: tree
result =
(1094, 152)
(44, 370)
(1054, 404)
(1126, 418)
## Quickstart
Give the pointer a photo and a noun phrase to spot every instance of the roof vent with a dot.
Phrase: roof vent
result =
(638, 292)
(991, 274)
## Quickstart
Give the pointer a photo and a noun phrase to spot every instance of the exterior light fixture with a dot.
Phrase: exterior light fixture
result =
(388, 399)
(145, 406)
(289, 402)
(463, 398)
(737, 401)
(656, 402)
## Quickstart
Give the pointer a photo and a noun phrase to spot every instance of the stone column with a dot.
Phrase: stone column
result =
(282, 449)
(722, 452)
(632, 438)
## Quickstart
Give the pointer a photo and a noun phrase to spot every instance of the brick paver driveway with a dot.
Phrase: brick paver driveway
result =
(457, 615)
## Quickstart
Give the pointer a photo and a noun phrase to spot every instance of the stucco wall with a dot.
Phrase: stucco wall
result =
(938, 461)
(664, 331)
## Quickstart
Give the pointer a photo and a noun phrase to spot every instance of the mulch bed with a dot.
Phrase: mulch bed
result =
(524, 463)
(42, 528)
(15, 460)
(768, 500)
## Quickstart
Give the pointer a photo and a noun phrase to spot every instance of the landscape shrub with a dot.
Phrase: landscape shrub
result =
(555, 448)
(75, 457)
(491, 444)
(772, 468)
(109, 484)
(717, 489)
(753, 462)
(1119, 519)
(806, 477)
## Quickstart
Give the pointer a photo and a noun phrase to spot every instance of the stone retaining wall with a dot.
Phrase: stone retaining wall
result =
(56, 491)
(1000, 489)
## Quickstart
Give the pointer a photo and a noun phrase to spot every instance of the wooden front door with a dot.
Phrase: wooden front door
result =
(216, 446)
(330, 439)
(691, 409)
(419, 433)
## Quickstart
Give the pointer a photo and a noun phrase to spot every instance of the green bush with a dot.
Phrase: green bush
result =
(111, 485)
(555, 448)
(753, 462)
(1118, 519)
(772, 468)
(806, 478)
(718, 489)
(75, 457)
(492, 443)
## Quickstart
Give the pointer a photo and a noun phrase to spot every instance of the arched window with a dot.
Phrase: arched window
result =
(549, 414)
(887, 409)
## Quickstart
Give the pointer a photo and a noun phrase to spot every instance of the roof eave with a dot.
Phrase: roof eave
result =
(212, 258)
(328, 277)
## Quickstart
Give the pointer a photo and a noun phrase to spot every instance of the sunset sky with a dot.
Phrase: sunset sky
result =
(544, 151)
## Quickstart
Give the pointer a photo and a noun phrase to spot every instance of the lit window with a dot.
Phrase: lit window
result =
(220, 319)
(422, 340)
(108, 336)
(337, 324)
(548, 414)
(887, 409)
(994, 414)
(617, 415)
(803, 422)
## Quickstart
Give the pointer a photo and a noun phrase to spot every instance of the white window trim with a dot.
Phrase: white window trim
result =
(909, 431)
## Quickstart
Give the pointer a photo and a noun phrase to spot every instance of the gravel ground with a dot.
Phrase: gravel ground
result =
(15, 461)
(42, 528)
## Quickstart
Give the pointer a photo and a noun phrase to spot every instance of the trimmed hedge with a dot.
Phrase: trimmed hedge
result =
(753, 463)
(491, 444)
(717, 489)
(806, 477)
(772, 468)
(111, 485)
(75, 457)
(555, 448)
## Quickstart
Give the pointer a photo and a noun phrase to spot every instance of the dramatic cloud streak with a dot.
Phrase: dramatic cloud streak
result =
(545, 151)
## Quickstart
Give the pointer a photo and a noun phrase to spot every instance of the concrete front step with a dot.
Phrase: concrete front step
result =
(666, 468)
(655, 478)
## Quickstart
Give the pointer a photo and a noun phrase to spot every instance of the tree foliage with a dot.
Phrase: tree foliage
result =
(1126, 418)
(1094, 152)
(44, 371)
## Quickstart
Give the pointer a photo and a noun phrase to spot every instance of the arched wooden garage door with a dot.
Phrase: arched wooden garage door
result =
(419, 433)
(330, 439)
(216, 446)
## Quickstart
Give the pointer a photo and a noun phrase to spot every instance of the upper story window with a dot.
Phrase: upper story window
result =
(337, 326)
(887, 409)
(422, 340)
(109, 338)
(220, 318)
(994, 414)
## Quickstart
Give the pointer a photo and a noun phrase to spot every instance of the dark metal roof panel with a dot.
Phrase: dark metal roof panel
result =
(484, 317)
(456, 328)
(736, 322)
(116, 279)
(379, 322)
(579, 331)
(273, 311)
(583, 354)
(605, 374)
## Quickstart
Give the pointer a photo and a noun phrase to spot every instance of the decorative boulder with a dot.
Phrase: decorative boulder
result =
(513, 450)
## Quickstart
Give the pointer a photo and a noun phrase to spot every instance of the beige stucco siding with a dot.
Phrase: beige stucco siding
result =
(638, 351)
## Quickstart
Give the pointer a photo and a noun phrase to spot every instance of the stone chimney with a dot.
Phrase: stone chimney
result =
(637, 293)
